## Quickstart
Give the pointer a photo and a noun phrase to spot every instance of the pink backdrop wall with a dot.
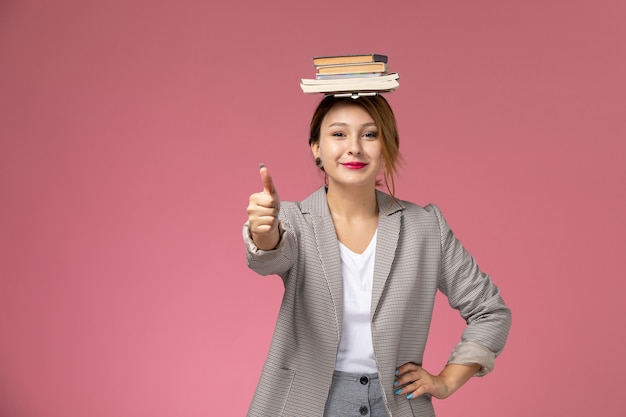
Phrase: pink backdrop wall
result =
(130, 135)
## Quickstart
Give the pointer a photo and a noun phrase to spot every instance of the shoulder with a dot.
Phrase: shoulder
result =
(390, 206)
(315, 204)
(426, 217)
(297, 212)
(430, 210)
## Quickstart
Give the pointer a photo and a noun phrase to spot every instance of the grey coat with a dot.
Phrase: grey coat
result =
(416, 255)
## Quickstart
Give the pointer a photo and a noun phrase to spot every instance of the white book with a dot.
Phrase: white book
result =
(352, 80)
(387, 82)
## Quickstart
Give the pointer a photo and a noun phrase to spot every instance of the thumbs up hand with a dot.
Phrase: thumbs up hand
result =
(263, 212)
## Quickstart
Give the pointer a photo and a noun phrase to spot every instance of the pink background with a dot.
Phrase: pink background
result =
(130, 136)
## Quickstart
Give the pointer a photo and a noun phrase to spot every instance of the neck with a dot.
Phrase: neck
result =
(352, 202)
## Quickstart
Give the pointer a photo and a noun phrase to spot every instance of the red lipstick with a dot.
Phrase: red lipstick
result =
(354, 165)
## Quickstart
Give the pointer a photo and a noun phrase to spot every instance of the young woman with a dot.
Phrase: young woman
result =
(361, 269)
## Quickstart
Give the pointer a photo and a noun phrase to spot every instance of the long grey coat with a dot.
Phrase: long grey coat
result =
(416, 254)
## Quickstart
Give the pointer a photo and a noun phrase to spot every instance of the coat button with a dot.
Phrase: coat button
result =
(363, 410)
(364, 380)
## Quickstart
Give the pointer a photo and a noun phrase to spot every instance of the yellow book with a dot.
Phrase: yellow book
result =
(353, 68)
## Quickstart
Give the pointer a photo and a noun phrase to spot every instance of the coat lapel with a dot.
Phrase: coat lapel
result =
(389, 221)
(316, 206)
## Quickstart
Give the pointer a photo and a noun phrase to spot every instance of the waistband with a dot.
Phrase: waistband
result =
(349, 376)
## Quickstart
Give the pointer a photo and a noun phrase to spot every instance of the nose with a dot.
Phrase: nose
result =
(354, 145)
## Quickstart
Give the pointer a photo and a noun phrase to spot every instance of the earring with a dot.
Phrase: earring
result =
(318, 162)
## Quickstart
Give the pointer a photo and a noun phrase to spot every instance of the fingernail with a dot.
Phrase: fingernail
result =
(261, 165)
(398, 391)
(408, 397)
(395, 383)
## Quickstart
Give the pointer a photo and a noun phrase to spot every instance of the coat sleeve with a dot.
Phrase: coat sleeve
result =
(478, 300)
(276, 261)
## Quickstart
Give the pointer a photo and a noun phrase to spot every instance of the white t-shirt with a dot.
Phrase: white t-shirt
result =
(356, 351)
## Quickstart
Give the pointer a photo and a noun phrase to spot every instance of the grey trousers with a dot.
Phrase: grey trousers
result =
(355, 395)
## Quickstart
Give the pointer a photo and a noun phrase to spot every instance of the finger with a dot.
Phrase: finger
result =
(261, 200)
(411, 389)
(262, 220)
(418, 391)
(406, 375)
(406, 368)
(268, 184)
(262, 229)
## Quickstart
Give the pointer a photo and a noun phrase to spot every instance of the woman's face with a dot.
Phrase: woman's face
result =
(349, 146)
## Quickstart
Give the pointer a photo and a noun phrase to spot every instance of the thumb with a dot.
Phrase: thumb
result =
(268, 184)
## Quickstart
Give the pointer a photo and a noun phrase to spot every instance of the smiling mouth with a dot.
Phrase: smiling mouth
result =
(354, 165)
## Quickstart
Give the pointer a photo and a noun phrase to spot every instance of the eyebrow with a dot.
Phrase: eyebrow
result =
(346, 124)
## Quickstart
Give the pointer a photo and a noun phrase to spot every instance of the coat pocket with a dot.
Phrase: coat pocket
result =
(272, 392)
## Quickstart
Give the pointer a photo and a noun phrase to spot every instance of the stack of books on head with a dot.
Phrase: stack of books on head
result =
(351, 75)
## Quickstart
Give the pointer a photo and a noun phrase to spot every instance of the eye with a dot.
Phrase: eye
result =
(338, 134)
(370, 135)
